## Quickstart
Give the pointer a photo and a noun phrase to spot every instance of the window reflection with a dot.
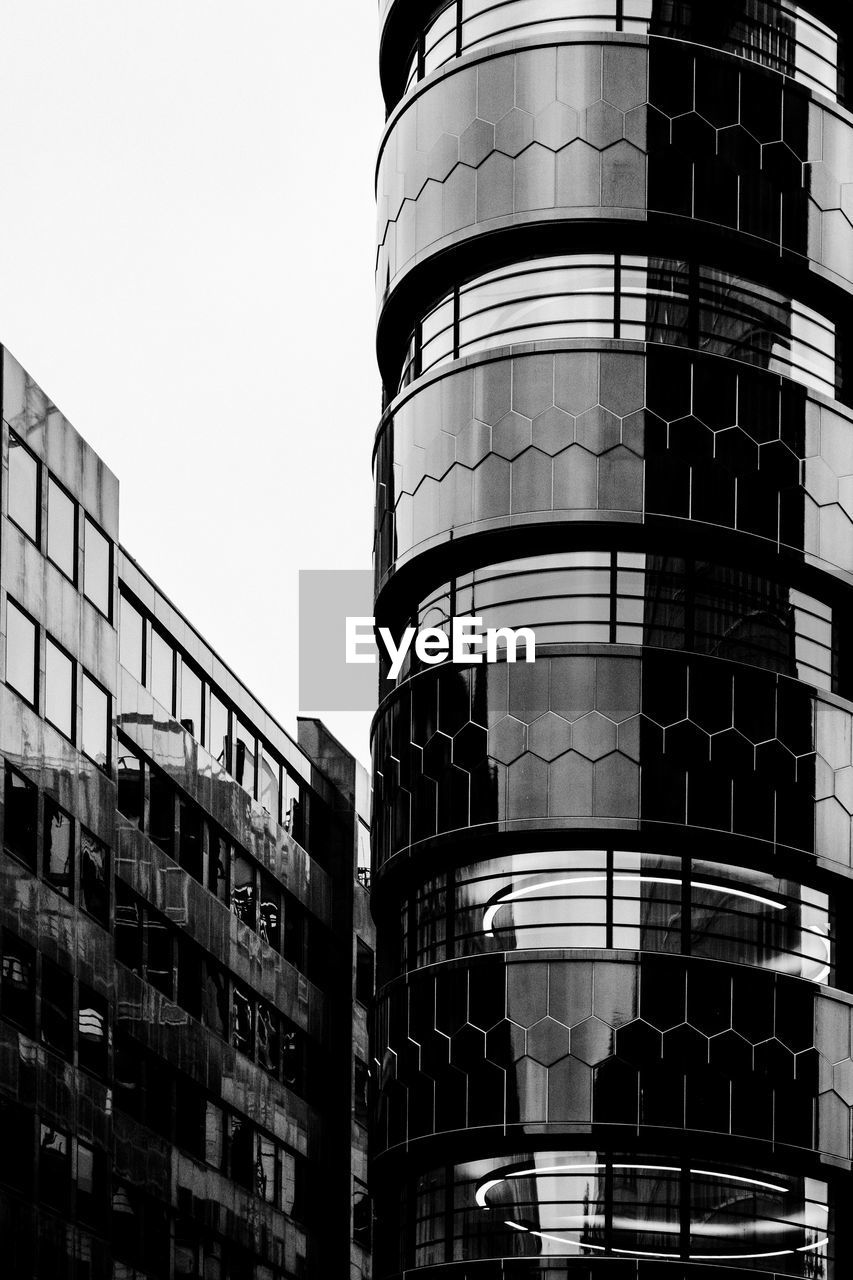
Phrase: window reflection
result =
(589, 1204)
(628, 900)
(58, 848)
(659, 300)
(94, 738)
(191, 701)
(132, 639)
(162, 671)
(644, 599)
(774, 33)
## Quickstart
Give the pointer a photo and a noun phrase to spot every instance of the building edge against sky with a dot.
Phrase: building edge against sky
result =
(614, 266)
(186, 954)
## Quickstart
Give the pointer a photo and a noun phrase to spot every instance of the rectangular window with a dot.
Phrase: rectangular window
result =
(363, 972)
(244, 756)
(190, 852)
(362, 1214)
(192, 691)
(214, 1135)
(241, 1154)
(131, 784)
(97, 568)
(92, 1032)
(161, 810)
(95, 735)
(57, 1001)
(21, 817)
(163, 671)
(269, 913)
(59, 698)
(265, 1164)
(215, 1007)
(21, 652)
(61, 529)
(270, 783)
(294, 933)
(218, 741)
(58, 849)
(131, 639)
(54, 1167)
(24, 487)
(268, 1038)
(95, 877)
(18, 982)
(16, 1149)
(243, 1021)
(219, 861)
(128, 929)
(243, 889)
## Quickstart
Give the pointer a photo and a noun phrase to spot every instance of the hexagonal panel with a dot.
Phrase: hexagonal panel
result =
(507, 740)
(470, 746)
(547, 1041)
(476, 142)
(556, 126)
(592, 1041)
(594, 736)
(601, 125)
(550, 736)
(514, 132)
(511, 436)
(598, 430)
(553, 431)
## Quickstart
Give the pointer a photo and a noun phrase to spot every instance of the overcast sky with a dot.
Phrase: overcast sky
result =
(186, 268)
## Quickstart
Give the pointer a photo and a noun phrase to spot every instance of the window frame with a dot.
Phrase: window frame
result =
(13, 435)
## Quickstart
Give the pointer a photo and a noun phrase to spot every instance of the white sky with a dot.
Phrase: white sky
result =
(186, 244)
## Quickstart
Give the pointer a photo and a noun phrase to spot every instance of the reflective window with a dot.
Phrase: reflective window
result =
(584, 1204)
(218, 739)
(269, 782)
(643, 599)
(243, 764)
(131, 783)
(95, 735)
(54, 1167)
(132, 639)
(266, 1160)
(92, 1032)
(243, 889)
(61, 529)
(59, 701)
(192, 691)
(269, 912)
(20, 818)
(97, 568)
(58, 848)
(162, 671)
(364, 972)
(595, 898)
(648, 299)
(214, 1135)
(95, 877)
(57, 1003)
(21, 652)
(242, 1021)
(18, 981)
(24, 487)
(774, 33)
(161, 810)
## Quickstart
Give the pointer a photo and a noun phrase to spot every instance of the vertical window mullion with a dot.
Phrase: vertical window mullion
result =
(460, 19)
(614, 601)
(457, 308)
(610, 889)
(617, 296)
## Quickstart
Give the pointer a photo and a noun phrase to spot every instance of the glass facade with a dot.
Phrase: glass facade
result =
(610, 883)
(179, 920)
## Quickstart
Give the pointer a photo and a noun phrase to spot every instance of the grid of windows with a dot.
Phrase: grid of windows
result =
(646, 299)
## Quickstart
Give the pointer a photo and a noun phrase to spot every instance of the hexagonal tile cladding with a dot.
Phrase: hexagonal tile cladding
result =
(592, 1041)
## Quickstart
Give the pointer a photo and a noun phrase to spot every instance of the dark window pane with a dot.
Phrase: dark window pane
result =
(131, 639)
(363, 972)
(92, 1032)
(214, 1135)
(54, 1167)
(191, 698)
(362, 1214)
(16, 1149)
(292, 1056)
(61, 529)
(215, 1006)
(90, 1182)
(361, 1090)
(161, 813)
(24, 472)
(21, 637)
(269, 913)
(242, 1021)
(269, 783)
(243, 889)
(191, 831)
(241, 1155)
(94, 738)
(219, 862)
(58, 848)
(243, 765)
(189, 975)
(266, 1161)
(95, 877)
(18, 982)
(162, 671)
(294, 933)
(57, 999)
(97, 568)
(59, 689)
(20, 820)
(131, 784)
(269, 1039)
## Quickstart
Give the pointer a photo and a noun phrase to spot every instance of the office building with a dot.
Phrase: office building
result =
(612, 887)
(183, 934)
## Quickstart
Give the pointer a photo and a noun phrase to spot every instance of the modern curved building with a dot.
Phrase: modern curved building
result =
(612, 887)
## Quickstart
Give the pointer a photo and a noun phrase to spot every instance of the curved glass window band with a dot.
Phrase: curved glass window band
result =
(627, 297)
(773, 33)
(572, 900)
